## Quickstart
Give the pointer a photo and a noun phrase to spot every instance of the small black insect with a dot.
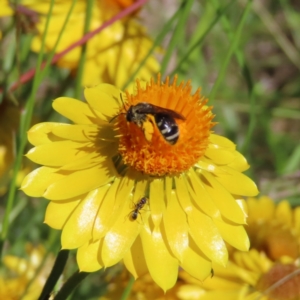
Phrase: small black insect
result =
(138, 207)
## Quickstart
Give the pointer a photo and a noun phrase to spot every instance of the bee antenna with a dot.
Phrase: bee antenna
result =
(116, 116)
(120, 113)
(122, 100)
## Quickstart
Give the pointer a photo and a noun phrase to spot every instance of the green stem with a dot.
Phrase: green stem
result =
(52, 242)
(197, 44)
(247, 75)
(53, 51)
(230, 51)
(178, 34)
(70, 285)
(26, 118)
(238, 52)
(24, 126)
(28, 75)
(252, 124)
(56, 272)
(157, 41)
(87, 22)
(278, 33)
(128, 289)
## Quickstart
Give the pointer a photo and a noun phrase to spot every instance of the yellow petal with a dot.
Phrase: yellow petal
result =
(116, 200)
(162, 266)
(250, 262)
(6, 10)
(195, 264)
(190, 292)
(105, 98)
(297, 220)
(219, 156)
(41, 133)
(86, 133)
(57, 154)
(240, 163)
(120, 198)
(140, 188)
(36, 182)
(87, 257)
(77, 133)
(283, 213)
(80, 182)
(168, 187)
(57, 213)
(106, 214)
(243, 205)
(237, 183)
(225, 278)
(89, 160)
(78, 228)
(233, 234)
(91, 74)
(119, 239)
(218, 141)
(157, 203)
(223, 199)
(207, 237)
(183, 194)
(125, 188)
(201, 197)
(208, 165)
(176, 227)
(260, 209)
(134, 259)
(76, 111)
(211, 295)
(16, 264)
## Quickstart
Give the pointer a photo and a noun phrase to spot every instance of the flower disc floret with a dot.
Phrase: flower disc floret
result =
(158, 157)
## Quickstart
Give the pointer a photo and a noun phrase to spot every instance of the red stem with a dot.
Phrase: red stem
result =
(30, 74)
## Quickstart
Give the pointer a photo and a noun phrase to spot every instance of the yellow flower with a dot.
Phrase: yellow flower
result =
(26, 283)
(5, 8)
(9, 123)
(112, 55)
(103, 173)
(275, 229)
(142, 289)
(270, 270)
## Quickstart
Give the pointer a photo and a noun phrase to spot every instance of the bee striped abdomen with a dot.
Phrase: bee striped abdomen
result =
(167, 127)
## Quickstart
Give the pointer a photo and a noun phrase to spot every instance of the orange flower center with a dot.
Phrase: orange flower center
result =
(164, 128)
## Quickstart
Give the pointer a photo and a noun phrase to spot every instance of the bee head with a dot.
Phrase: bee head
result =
(130, 114)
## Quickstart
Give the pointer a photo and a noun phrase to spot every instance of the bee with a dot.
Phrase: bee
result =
(165, 120)
(138, 207)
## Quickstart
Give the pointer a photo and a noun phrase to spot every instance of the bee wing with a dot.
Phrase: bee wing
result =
(170, 113)
(147, 108)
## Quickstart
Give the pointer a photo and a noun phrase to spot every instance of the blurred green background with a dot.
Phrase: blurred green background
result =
(244, 54)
